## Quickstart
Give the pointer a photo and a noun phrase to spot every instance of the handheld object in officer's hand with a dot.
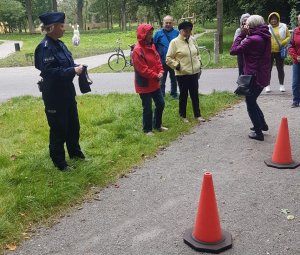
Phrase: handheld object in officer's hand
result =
(84, 81)
(40, 84)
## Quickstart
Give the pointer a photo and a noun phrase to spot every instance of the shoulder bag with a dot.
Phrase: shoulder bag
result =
(245, 85)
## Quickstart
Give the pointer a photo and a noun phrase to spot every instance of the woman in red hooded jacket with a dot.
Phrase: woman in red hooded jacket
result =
(148, 72)
(294, 51)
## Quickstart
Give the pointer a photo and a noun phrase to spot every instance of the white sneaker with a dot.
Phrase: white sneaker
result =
(281, 88)
(185, 120)
(200, 119)
(162, 129)
(268, 89)
(150, 133)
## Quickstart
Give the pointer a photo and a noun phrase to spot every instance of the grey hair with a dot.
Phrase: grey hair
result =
(255, 21)
(168, 17)
(48, 28)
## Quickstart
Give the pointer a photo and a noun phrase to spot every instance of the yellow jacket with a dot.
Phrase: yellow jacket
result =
(281, 32)
(186, 53)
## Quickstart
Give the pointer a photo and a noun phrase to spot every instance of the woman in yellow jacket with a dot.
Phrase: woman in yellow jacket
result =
(283, 35)
(183, 56)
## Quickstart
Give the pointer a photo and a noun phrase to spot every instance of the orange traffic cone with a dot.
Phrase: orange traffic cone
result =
(282, 157)
(207, 235)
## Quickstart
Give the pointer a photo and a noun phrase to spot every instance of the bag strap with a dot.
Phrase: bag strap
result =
(275, 36)
(165, 33)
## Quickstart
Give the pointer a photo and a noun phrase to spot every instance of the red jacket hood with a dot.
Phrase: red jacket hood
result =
(142, 31)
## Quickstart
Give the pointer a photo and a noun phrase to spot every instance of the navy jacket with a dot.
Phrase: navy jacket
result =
(56, 64)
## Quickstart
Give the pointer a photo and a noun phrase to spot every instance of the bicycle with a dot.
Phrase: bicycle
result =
(205, 56)
(117, 61)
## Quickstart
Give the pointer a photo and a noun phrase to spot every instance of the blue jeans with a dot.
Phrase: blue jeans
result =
(159, 102)
(169, 70)
(296, 83)
(254, 112)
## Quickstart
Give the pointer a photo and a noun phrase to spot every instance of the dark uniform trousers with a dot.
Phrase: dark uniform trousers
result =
(56, 64)
(64, 128)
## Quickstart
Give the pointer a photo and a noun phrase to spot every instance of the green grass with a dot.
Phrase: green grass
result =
(33, 191)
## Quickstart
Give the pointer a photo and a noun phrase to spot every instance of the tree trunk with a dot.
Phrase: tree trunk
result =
(29, 15)
(80, 4)
(123, 15)
(107, 14)
(220, 24)
(157, 14)
(54, 5)
(111, 17)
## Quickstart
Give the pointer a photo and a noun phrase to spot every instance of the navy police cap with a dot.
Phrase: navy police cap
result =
(49, 18)
(185, 24)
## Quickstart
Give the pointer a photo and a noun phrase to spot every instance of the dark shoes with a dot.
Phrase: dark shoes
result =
(80, 156)
(67, 169)
(64, 167)
(255, 136)
(295, 105)
(264, 128)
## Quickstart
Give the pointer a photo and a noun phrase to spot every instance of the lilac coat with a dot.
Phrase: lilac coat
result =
(256, 51)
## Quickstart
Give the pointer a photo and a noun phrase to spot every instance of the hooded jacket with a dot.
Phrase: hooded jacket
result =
(146, 62)
(281, 32)
(294, 45)
(256, 50)
(186, 53)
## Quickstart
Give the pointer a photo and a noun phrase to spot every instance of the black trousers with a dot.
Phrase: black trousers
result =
(64, 128)
(188, 84)
(279, 65)
(255, 113)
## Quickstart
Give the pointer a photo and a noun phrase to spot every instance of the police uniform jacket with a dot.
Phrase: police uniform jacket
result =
(56, 64)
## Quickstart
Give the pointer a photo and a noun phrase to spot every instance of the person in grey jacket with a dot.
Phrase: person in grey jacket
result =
(240, 60)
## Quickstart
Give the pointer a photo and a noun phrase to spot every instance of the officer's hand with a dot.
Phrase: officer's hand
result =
(78, 69)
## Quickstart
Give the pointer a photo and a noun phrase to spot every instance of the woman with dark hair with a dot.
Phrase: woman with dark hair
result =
(183, 56)
(254, 43)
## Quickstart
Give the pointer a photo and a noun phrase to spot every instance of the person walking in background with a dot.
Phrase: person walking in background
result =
(183, 56)
(162, 39)
(294, 52)
(148, 72)
(282, 34)
(58, 70)
(254, 43)
(240, 60)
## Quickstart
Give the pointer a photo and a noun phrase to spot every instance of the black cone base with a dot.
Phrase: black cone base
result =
(293, 165)
(215, 248)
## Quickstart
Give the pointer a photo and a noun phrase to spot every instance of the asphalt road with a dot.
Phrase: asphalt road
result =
(20, 81)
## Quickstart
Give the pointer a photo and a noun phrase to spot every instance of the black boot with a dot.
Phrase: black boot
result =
(265, 127)
(256, 136)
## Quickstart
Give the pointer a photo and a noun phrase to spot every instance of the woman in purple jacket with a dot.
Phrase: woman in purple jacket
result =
(256, 50)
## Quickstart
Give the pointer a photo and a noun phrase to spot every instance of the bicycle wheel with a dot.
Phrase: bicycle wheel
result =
(117, 62)
(205, 56)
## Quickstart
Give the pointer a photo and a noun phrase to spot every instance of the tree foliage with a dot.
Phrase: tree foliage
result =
(12, 14)
(120, 13)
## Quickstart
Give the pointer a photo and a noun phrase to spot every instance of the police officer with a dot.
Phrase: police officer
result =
(57, 68)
